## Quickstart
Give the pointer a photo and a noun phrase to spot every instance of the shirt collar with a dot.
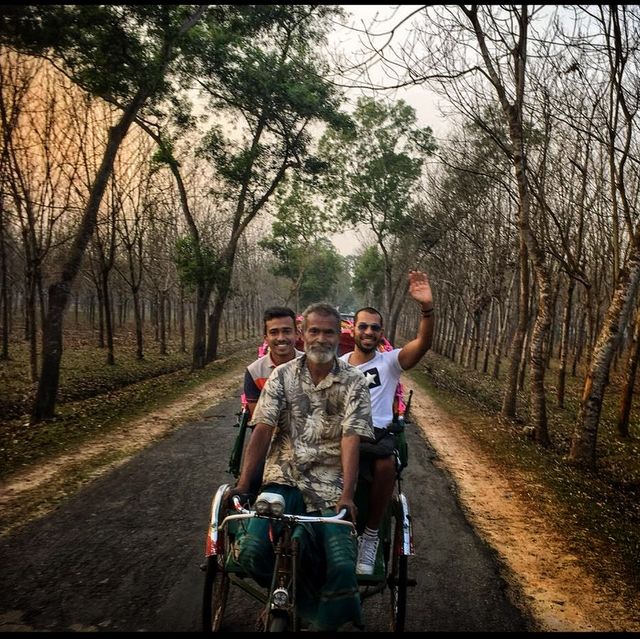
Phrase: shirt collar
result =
(328, 380)
(272, 364)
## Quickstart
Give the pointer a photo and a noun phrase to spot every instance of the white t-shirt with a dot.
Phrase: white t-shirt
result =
(382, 374)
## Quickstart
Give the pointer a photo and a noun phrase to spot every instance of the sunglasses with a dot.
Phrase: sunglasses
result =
(362, 326)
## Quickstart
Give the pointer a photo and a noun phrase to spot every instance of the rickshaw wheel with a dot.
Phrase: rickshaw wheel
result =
(278, 623)
(216, 591)
(397, 579)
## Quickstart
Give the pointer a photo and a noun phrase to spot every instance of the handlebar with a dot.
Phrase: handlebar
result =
(246, 513)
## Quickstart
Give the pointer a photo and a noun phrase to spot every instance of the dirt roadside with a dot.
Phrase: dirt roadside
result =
(561, 594)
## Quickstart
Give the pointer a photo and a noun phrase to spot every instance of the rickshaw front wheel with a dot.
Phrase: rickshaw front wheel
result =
(214, 598)
(278, 622)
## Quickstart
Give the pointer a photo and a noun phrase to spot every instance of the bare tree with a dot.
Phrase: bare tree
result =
(614, 28)
(100, 75)
(136, 197)
(41, 170)
(473, 48)
(16, 76)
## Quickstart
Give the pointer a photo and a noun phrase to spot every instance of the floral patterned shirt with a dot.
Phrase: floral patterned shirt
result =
(309, 422)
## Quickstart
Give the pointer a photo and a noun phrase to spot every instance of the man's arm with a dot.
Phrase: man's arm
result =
(251, 407)
(251, 392)
(254, 456)
(420, 290)
(350, 453)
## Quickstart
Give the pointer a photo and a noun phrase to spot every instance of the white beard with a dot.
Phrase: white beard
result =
(321, 356)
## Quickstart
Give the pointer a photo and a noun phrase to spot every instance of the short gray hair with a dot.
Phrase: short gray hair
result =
(321, 308)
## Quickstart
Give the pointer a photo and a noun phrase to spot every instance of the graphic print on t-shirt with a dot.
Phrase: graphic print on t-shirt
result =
(372, 377)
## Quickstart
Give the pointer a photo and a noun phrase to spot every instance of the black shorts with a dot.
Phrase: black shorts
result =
(382, 447)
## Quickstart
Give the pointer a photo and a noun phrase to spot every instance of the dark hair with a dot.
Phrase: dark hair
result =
(367, 309)
(321, 308)
(277, 311)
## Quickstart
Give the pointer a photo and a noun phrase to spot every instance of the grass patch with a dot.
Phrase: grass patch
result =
(95, 398)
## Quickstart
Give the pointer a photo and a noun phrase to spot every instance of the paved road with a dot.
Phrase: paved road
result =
(124, 553)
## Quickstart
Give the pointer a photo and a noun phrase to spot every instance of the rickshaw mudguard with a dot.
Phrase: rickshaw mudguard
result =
(404, 541)
(214, 543)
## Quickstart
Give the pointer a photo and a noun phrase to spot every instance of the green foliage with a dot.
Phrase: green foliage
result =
(109, 50)
(163, 154)
(322, 275)
(376, 165)
(114, 51)
(275, 85)
(296, 234)
(314, 166)
(196, 266)
(368, 276)
(234, 165)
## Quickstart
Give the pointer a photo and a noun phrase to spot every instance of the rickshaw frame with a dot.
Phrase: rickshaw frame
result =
(391, 571)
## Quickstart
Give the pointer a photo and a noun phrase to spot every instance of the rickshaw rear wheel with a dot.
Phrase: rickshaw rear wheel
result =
(214, 598)
(397, 579)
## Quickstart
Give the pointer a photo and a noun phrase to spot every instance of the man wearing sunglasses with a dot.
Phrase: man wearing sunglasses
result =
(382, 370)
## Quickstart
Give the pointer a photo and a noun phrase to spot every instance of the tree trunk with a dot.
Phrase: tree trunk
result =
(99, 293)
(579, 344)
(540, 330)
(498, 342)
(31, 324)
(59, 291)
(137, 316)
(198, 360)
(551, 333)
(183, 340)
(522, 369)
(464, 339)
(108, 323)
(215, 319)
(487, 337)
(162, 321)
(537, 371)
(395, 314)
(92, 312)
(453, 342)
(226, 322)
(583, 442)
(501, 331)
(564, 342)
(517, 342)
(476, 339)
(626, 396)
(513, 113)
(4, 284)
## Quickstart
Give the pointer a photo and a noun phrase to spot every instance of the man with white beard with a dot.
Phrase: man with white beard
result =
(311, 416)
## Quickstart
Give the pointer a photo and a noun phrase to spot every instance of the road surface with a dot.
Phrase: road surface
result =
(124, 553)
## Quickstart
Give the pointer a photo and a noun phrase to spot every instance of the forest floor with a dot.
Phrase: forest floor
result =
(560, 587)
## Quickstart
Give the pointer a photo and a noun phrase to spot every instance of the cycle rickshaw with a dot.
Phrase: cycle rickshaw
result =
(390, 577)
